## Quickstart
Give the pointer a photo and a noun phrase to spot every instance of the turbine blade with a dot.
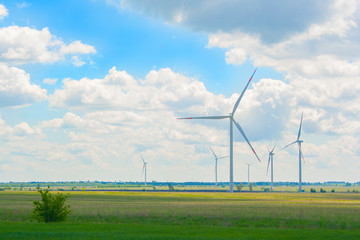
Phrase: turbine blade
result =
(207, 117)
(242, 94)
(300, 126)
(268, 148)
(267, 170)
(246, 139)
(302, 155)
(272, 151)
(288, 145)
(223, 157)
(212, 152)
(142, 159)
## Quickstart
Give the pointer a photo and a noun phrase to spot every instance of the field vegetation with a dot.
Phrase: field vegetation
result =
(181, 215)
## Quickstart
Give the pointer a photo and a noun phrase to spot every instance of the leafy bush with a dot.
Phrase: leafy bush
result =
(312, 190)
(51, 208)
(322, 190)
(333, 190)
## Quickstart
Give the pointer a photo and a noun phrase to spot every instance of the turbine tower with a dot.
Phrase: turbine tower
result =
(271, 158)
(298, 141)
(232, 120)
(249, 164)
(144, 168)
(216, 160)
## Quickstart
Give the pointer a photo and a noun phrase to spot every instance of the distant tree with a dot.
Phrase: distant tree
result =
(312, 190)
(239, 187)
(171, 187)
(333, 190)
(51, 208)
(322, 190)
(250, 187)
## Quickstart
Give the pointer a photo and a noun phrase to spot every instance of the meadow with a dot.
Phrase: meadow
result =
(181, 215)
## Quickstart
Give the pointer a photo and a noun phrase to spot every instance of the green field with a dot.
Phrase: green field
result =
(175, 215)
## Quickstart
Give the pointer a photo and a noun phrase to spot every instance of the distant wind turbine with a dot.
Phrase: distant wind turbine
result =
(144, 168)
(271, 158)
(216, 160)
(249, 164)
(300, 153)
(232, 120)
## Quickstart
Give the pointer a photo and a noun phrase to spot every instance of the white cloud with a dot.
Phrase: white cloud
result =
(3, 11)
(16, 89)
(50, 81)
(19, 45)
(77, 47)
(76, 60)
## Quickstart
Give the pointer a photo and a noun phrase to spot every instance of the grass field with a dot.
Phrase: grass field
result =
(172, 215)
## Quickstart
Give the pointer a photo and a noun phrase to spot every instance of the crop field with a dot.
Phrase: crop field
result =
(180, 215)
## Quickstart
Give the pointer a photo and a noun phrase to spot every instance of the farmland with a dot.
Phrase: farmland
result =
(179, 215)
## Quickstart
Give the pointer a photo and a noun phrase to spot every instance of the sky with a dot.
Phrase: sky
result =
(88, 86)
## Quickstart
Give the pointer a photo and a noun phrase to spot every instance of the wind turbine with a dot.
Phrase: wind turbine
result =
(298, 141)
(216, 159)
(144, 168)
(249, 164)
(271, 158)
(232, 120)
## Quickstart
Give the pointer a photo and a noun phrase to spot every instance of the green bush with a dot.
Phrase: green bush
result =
(51, 208)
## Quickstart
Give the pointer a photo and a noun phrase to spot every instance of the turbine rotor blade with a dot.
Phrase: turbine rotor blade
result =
(142, 158)
(207, 117)
(300, 126)
(267, 170)
(212, 152)
(223, 157)
(289, 145)
(302, 156)
(246, 139)
(242, 94)
(272, 151)
(268, 148)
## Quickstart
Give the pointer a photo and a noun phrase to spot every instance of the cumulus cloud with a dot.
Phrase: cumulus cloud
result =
(163, 89)
(19, 45)
(3, 11)
(229, 16)
(16, 88)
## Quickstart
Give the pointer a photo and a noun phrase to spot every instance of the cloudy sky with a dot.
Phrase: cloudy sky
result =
(87, 86)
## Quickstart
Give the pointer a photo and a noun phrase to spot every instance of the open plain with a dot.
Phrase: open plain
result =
(179, 215)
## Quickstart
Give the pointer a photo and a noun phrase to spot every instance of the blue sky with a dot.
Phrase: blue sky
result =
(88, 86)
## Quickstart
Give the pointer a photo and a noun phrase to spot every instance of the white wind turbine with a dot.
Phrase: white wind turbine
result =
(271, 158)
(216, 160)
(144, 168)
(232, 120)
(249, 164)
(300, 153)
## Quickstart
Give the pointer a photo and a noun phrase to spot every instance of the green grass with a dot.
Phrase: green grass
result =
(171, 215)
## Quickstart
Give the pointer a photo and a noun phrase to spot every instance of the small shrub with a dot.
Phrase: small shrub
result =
(322, 190)
(51, 208)
(333, 190)
(250, 187)
(266, 189)
(312, 190)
